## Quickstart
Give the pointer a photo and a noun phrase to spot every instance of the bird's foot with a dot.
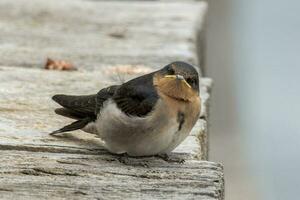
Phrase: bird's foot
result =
(126, 160)
(167, 158)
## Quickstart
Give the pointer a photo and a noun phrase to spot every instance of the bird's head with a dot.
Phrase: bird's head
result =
(178, 80)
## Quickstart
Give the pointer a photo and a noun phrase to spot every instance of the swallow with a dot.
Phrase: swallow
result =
(146, 116)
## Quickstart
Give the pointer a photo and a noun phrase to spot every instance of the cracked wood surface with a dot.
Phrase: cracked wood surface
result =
(109, 42)
(93, 34)
(43, 175)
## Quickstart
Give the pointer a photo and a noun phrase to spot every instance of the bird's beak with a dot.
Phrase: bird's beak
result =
(178, 77)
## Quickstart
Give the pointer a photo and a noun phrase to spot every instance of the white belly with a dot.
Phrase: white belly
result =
(154, 134)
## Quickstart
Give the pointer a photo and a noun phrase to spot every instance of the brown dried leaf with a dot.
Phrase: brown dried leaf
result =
(59, 65)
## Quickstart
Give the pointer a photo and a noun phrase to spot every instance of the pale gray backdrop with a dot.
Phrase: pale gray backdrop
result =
(254, 57)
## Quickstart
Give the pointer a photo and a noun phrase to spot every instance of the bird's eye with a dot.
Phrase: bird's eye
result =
(171, 71)
(191, 81)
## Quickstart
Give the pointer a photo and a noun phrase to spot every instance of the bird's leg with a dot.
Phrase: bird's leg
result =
(167, 158)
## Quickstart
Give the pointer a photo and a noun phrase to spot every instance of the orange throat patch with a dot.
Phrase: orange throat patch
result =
(174, 88)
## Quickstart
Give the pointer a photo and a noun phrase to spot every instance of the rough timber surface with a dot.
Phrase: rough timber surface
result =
(43, 175)
(109, 42)
(94, 33)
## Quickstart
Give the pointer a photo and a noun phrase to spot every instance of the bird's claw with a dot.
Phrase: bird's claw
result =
(124, 159)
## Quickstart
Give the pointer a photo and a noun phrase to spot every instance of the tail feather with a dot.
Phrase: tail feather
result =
(73, 126)
(69, 113)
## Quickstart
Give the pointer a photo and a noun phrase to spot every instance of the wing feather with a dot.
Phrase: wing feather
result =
(137, 97)
(80, 104)
(83, 106)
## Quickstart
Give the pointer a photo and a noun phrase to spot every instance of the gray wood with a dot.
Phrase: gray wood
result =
(110, 42)
(42, 175)
(93, 34)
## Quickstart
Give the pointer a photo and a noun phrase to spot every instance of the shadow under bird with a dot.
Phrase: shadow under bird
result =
(148, 115)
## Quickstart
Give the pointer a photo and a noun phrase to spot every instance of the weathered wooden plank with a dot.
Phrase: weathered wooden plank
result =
(99, 37)
(94, 33)
(27, 175)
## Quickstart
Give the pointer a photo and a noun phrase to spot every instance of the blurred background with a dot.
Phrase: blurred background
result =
(253, 56)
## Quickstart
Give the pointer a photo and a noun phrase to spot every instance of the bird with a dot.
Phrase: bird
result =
(146, 116)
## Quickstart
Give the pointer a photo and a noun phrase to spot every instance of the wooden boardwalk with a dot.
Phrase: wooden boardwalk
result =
(109, 41)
